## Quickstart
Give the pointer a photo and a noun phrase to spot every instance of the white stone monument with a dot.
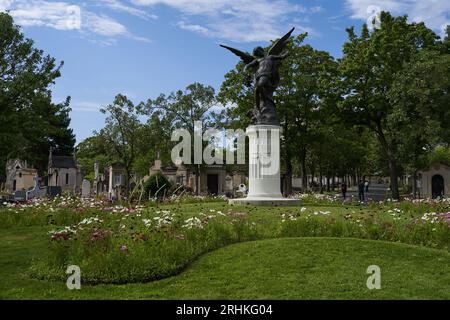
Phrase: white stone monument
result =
(264, 168)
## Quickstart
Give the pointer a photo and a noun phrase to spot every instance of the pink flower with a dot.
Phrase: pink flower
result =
(123, 248)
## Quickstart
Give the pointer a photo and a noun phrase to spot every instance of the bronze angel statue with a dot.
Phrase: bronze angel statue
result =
(266, 78)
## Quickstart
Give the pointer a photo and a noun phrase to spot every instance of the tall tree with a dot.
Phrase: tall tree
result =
(184, 108)
(306, 92)
(29, 122)
(156, 141)
(92, 149)
(368, 69)
(420, 99)
(122, 132)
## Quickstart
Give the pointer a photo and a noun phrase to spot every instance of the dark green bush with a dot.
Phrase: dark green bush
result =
(157, 186)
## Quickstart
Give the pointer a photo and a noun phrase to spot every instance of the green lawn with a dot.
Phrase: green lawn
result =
(289, 268)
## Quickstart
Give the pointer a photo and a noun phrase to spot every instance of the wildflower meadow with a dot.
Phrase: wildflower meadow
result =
(126, 243)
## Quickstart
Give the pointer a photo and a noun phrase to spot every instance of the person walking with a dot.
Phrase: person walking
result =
(361, 190)
(344, 190)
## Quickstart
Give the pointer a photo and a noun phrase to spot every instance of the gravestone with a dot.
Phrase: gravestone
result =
(86, 189)
(54, 191)
(20, 195)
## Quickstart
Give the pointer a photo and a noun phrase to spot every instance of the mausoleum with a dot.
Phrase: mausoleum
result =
(435, 181)
(19, 176)
(64, 172)
(213, 180)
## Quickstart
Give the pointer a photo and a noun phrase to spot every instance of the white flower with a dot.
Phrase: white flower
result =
(193, 223)
(147, 222)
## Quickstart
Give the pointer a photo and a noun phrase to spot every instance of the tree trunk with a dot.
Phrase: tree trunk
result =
(393, 173)
(303, 167)
(288, 177)
(393, 168)
(127, 180)
(287, 190)
(197, 179)
(320, 179)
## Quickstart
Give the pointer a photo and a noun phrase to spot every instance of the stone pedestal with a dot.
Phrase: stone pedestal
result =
(264, 168)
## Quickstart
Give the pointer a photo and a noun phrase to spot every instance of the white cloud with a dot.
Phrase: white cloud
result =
(103, 25)
(435, 13)
(5, 4)
(238, 20)
(122, 7)
(66, 16)
(58, 15)
(86, 106)
(193, 27)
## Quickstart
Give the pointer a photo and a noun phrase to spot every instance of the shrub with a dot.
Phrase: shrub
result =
(157, 186)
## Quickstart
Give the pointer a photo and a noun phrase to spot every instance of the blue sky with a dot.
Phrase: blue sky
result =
(142, 48)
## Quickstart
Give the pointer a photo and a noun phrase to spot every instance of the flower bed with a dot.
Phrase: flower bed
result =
(114, 243)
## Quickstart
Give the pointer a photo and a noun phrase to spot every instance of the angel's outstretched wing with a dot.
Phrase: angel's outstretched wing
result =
(245, 56)
(278, 47)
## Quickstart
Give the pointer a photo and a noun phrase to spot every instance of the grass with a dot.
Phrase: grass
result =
(287, 268)
(320, 250)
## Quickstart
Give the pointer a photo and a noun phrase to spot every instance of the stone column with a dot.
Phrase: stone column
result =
(264, 168)
(264, 161)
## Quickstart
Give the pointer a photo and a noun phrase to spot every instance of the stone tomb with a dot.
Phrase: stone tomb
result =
(435, 181)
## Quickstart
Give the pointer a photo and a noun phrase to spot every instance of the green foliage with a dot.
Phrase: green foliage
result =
(440, 154)
(180, 110)
(157, 186)
(384, 79)
(420, 98)
(30, 122)
(94, 149)
(122, 132)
